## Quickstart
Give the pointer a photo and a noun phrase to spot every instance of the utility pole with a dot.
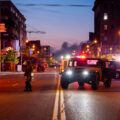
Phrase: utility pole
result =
(21, 55)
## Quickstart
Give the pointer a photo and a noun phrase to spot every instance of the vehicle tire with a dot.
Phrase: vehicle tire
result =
(107, 83)
(95, 82)
(64, 83)
(81, 84)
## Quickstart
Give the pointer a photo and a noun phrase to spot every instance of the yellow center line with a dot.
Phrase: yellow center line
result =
(55, 110)
(62, 106)
(59, 92)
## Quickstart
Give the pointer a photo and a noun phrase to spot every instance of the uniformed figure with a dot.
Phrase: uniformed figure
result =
(28, 75)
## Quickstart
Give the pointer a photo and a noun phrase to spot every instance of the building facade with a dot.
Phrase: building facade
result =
(34, 44)
(15, 35)
(45, 51)
(107, 25)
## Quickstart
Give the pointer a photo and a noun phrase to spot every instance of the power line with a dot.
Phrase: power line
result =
(53, 5)
(35, 30)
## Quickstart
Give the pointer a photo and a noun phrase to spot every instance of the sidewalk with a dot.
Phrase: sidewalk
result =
(13, 73)
(9, 73)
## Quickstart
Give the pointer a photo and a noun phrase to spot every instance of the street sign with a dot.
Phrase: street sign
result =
(2, 27)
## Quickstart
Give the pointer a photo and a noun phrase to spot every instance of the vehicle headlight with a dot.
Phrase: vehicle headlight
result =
(85, 73)
(69, 72)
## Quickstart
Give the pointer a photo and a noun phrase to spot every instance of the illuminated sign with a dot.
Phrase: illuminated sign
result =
(2, 27)
(92, 62)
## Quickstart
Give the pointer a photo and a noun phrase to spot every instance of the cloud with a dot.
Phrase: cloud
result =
(66, 49)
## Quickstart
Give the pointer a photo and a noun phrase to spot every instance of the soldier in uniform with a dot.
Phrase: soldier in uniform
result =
(28, 74)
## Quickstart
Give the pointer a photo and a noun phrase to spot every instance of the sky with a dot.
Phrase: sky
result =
(61, 23)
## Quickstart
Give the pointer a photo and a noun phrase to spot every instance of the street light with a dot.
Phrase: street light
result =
(38, 52)
(119, 36)
(88, 50)
(62, 57)
(111, 50)
(95, 41)
(119, 32)
(33, 46)
(68, 56)
(99, 49)
(88, 46)
(27, 41)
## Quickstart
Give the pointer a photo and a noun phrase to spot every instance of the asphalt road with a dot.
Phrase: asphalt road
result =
(86, 104)
(48, 101)
(15, 104)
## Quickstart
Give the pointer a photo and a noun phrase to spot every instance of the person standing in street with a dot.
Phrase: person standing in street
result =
(28, 74)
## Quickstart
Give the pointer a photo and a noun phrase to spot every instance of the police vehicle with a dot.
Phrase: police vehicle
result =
(87, 70)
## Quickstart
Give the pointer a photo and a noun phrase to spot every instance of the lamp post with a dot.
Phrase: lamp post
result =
(99, 48)
(119, 37)
(93, 50)
(21, 55)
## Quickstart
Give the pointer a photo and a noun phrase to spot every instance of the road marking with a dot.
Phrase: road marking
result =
(14, 85)
(59, 93)
(62, 106)
(55, 110)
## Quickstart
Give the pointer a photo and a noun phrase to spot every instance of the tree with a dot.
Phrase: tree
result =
(10, 58)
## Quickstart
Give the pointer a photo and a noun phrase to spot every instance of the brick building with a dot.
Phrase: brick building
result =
(107, 24)
(34, 44)
(15, 24)
(45, 51)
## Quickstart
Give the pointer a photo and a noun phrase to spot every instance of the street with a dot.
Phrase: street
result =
(102, 104)
(15, 104)
(48, 101)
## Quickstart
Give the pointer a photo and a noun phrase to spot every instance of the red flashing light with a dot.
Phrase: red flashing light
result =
(81, 57)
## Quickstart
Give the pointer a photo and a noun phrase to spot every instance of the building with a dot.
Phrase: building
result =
(45, 51)
(34, 44)
(91, 36)
(15, 24)
(107, 25)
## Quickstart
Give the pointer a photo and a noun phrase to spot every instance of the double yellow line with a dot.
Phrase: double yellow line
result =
(59, 99)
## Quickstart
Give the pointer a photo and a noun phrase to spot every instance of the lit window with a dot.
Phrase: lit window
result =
(105, 16)
(105, 27)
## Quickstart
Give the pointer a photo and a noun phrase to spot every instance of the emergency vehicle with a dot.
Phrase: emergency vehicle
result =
(87, 70)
